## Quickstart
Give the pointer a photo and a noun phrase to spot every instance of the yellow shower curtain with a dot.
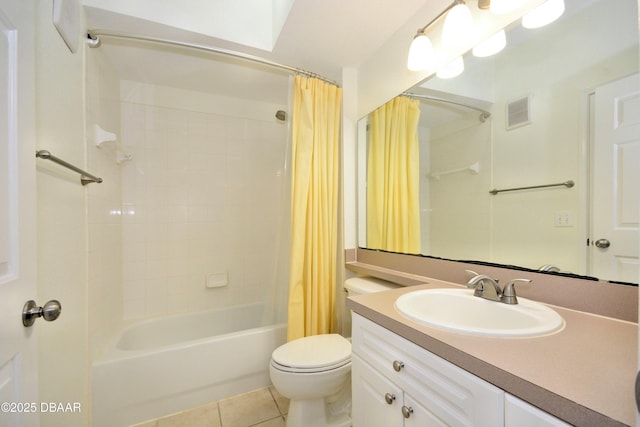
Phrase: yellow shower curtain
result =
(393, 174)
(314, 207)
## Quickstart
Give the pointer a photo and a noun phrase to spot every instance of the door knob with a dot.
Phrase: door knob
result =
(389, 398)
(602, 243)
(49, 312)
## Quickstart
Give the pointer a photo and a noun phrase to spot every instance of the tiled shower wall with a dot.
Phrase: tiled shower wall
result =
(203, 200)
(104, 229)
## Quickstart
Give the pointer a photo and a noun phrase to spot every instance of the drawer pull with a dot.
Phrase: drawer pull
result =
(389, 398)
(398, 365)
(407, 411)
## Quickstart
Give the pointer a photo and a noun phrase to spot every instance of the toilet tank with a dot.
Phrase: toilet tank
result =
(359, 286)
(367, 285)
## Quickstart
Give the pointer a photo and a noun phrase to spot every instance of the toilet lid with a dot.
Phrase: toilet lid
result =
(314, 353)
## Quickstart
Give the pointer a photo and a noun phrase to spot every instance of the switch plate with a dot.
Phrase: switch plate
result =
(563, 219)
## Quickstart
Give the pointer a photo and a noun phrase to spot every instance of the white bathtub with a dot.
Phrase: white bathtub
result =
(161, 366)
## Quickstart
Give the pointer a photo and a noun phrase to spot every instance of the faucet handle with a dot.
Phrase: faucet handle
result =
(509, 291)
(470, 274)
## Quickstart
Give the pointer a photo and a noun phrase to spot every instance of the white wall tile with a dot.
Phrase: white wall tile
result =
(200, 190)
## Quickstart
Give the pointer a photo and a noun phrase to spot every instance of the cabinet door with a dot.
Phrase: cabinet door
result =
(518, 413)
(370, 394)
(418, 415)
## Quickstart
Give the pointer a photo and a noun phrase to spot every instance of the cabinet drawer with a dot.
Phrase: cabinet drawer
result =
(451, 393)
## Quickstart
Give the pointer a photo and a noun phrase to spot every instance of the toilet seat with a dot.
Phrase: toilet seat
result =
(318, 353)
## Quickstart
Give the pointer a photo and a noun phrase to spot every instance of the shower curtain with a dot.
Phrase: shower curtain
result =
(393, 173)
(314, 207)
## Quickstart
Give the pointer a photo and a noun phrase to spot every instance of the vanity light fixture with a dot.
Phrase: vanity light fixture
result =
(491, 46)
(452, 69)
(420, 53)
(544, 14)
(458, 25)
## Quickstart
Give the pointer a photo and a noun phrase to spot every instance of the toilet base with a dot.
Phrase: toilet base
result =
(314, 413)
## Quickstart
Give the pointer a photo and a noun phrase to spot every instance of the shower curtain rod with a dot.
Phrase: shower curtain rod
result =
(93, 40)
(484, 114)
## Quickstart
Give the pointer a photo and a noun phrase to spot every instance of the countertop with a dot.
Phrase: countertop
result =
(583, 374)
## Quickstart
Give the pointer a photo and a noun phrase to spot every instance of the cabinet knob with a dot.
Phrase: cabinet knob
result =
(407, 411)
(398, 365)
(389, 398)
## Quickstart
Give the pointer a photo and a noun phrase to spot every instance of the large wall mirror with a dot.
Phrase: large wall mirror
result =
(563, 107)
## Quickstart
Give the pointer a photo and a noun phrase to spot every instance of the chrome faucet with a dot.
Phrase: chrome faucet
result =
(549, 267)
(488, 288)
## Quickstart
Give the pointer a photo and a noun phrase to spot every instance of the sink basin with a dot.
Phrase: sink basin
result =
(460, 311)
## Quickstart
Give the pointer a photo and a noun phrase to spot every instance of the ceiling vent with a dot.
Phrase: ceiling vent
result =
(519, 112)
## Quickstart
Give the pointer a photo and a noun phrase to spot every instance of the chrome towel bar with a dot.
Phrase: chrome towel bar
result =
(567, 184)
(85, 177)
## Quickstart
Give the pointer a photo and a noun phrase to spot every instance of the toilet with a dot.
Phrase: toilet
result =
(315, 372)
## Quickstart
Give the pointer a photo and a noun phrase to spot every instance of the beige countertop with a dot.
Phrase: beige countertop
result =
(583, 374)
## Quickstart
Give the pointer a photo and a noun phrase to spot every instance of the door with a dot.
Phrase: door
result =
(18, 376)
(616, 181)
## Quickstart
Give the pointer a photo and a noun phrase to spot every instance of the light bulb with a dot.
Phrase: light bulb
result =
(544, 14)
(420, 53)
(491, 46)
(458, 26)
(452, 69)
(502, 7)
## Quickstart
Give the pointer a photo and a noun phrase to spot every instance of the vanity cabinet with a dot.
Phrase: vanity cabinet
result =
(391, 375)
(397, 383)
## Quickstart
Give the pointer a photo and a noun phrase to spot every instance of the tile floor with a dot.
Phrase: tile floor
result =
(258, 408)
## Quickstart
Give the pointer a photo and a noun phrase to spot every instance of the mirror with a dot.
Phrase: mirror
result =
(547, 93)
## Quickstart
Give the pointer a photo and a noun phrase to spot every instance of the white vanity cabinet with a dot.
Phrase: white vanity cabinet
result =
(397, 383)
(385, 365)
(518, 413)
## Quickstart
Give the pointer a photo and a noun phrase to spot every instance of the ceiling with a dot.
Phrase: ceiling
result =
(319, 36)
(330, 34)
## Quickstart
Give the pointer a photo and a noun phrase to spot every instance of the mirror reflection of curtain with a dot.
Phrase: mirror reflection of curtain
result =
(314, 207)
(393, 197)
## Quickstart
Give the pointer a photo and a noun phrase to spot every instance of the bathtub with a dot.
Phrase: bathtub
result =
(161, 366)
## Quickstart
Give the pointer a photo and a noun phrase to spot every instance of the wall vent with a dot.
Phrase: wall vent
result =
(519, 112)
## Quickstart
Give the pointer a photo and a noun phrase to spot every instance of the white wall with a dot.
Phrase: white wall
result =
(349, 155)
(62, 225)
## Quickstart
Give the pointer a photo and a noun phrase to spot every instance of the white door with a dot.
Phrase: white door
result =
(18, 376)
(616, 181)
